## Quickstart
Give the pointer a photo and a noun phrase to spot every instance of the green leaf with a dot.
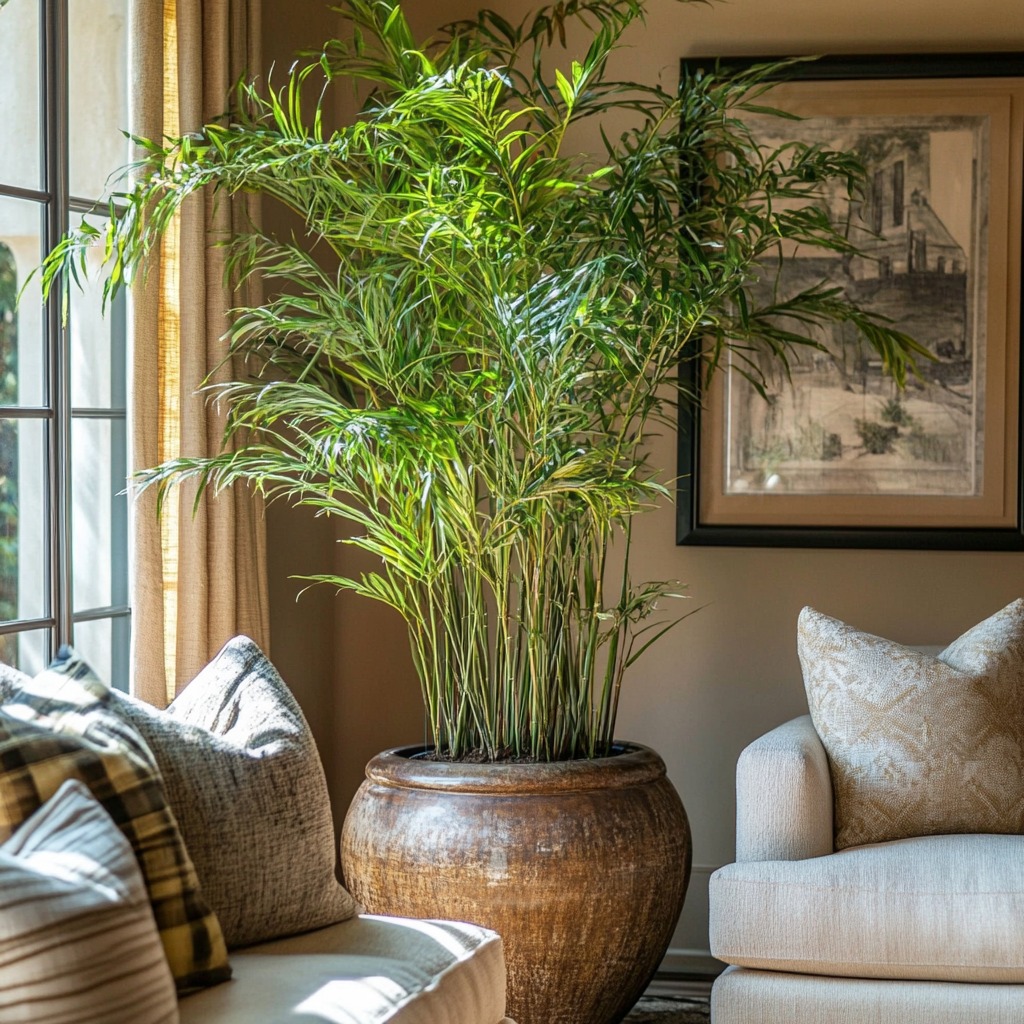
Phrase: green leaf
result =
(565, 88)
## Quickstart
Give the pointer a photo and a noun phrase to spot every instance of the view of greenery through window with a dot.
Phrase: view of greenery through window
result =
(63, 401)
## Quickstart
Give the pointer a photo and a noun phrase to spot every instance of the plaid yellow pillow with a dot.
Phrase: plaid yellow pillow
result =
(58, 727)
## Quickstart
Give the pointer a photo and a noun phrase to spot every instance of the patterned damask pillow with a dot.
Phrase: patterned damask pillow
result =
(919, 745)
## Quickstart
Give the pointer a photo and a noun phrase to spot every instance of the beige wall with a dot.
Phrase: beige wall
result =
(730, 672)
(347, 664)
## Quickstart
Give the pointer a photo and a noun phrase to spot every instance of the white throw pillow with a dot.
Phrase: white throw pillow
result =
(919, 745)
(78, 942)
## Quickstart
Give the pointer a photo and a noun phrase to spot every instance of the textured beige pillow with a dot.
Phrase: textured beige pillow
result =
(78, 943)
(245, 780)
(919, 745)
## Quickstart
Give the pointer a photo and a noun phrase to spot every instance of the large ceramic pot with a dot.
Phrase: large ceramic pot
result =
(580, 866)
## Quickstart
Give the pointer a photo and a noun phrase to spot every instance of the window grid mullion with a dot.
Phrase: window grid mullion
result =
(26, 625)
(25, 412)
(97, 413)
(114, 611)
(55, 100)
(33, 195)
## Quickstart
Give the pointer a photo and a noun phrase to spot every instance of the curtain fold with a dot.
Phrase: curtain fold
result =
(198, 578)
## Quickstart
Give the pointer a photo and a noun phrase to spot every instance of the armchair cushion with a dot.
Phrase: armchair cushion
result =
(919, 745)
(244, 779)
(947, 908)
(742, 996)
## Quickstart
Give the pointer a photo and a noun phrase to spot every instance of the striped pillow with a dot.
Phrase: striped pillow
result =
(78, 944)
(58, 726)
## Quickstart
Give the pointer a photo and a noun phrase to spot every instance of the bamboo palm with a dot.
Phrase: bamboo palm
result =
(465, 353)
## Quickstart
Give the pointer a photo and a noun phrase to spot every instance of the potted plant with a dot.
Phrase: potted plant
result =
(465, 357)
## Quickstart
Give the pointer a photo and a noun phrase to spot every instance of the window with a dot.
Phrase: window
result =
(897, 193)
(63, 394)
(877, 201)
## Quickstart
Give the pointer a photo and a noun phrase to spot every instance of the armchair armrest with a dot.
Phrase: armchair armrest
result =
(784, 796)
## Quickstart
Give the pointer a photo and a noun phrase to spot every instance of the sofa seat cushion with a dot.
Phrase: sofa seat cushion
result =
(948, 908)
(367, 970)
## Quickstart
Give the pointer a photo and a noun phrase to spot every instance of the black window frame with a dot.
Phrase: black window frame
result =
(58, 208)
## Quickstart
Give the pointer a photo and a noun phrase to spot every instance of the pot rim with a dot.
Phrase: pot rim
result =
(633, 765)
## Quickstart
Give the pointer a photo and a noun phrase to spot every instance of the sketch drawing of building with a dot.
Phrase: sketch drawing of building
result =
(839, 424)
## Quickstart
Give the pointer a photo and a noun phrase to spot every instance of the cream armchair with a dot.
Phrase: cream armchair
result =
(925, 930)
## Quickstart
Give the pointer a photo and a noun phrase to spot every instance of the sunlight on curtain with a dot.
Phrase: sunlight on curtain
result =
(168, 341)
(199, 576)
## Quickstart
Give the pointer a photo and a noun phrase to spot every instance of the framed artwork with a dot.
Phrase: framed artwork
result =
(838, 455)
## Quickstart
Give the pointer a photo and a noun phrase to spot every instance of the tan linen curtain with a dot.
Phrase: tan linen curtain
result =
(198, 579)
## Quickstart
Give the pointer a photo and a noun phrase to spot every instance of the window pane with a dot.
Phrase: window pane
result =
(104, 645)
(28, 651)
(99, 516)
(19, 89)
(97, 68)
(24, 573)
(21, 328)
(97, 344)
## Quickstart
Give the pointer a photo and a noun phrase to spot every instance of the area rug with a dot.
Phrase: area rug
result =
(669, 1010)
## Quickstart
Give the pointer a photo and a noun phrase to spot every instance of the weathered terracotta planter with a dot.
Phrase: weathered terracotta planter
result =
(581, 866)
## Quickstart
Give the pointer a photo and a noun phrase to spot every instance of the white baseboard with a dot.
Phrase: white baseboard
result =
(690, 961)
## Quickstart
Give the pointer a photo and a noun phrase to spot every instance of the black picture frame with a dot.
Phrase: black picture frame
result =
(690, 529)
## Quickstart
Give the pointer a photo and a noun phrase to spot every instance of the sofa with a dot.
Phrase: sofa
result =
(925, 930)
(159, 866)
(879, 873)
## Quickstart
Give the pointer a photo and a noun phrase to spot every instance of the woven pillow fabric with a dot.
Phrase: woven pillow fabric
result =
(59, 726)
(919, 745)
(244, 777)
(78, 943)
